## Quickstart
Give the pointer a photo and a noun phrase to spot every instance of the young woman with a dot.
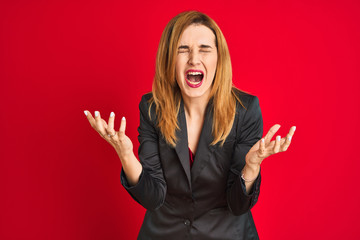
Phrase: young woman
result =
(201, 142)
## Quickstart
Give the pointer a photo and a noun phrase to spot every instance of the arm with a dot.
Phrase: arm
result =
(150, 190)
(242, 196)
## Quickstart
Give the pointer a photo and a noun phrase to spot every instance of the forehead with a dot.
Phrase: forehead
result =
(196, 34)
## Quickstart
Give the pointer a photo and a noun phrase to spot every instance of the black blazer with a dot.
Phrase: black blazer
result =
(208, 201)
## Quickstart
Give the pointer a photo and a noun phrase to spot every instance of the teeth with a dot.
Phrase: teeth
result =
(194, 73)
(192, 81)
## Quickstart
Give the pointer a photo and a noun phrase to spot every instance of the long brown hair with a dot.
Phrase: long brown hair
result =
(166, 92)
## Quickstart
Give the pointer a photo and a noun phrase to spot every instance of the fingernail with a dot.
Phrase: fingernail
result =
(262, 140)
(289, 138)
(294, 128)
(96, 113)
(278, 138)
(123, 118)
(85, 113)
(112, 114)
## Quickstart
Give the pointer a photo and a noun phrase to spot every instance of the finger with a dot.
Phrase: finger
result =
(90, 118)
(122, 127)
(292, 130)
(104, 123)
(271, 133)
(99, 124)
(277, 144)
(110, 126)
(287, 142)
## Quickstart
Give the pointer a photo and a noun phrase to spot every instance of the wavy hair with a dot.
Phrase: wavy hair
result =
(166, 92)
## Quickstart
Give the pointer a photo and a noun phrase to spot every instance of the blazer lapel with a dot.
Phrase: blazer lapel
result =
(181, 147)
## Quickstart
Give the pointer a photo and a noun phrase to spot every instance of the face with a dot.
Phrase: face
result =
(196, 61)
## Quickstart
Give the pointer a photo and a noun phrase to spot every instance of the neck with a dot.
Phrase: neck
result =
(195, 107)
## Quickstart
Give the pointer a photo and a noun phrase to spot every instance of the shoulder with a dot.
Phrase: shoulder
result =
(247, 100)
(248, 115)
(147, 106)
(146, 98)
(145, 101)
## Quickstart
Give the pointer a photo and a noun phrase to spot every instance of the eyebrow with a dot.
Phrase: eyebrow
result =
(201, 46)
(183, 47)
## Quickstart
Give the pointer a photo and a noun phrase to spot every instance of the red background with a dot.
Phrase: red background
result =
(60, 180)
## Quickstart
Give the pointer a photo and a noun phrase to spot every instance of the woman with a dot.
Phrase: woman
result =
(200, 140)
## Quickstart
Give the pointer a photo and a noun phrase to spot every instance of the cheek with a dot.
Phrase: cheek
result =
(178, 67)
(178, 74)
(212, 63)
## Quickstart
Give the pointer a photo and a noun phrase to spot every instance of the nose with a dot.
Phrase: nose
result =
(194, 58)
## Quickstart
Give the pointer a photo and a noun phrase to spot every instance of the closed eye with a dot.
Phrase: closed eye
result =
(205, 48)
(183, 48)
(186, 49)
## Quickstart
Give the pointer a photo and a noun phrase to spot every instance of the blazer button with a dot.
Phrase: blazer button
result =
(187, 222)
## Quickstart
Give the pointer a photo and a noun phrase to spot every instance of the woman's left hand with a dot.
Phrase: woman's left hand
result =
(265, 147)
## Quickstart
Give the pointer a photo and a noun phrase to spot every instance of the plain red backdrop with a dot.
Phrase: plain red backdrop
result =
(60, 180)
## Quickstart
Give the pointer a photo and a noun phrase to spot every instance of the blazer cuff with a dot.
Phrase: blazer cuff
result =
(253, 195)
(254, 187)
(135, 189)
(125, 182)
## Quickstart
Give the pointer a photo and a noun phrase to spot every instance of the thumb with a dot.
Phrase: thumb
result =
(261, 150)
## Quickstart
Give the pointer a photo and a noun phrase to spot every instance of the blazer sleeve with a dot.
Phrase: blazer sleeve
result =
(248, 133)
(150, 191)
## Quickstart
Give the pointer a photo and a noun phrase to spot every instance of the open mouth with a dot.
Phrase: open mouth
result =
(194, 78)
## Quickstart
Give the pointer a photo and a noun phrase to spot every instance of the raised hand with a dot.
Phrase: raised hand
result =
(265, 147)
(121, 143)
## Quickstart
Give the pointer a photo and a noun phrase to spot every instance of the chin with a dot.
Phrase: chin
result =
(196, 93)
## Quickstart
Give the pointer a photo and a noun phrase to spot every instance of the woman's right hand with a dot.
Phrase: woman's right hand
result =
(120, 142)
